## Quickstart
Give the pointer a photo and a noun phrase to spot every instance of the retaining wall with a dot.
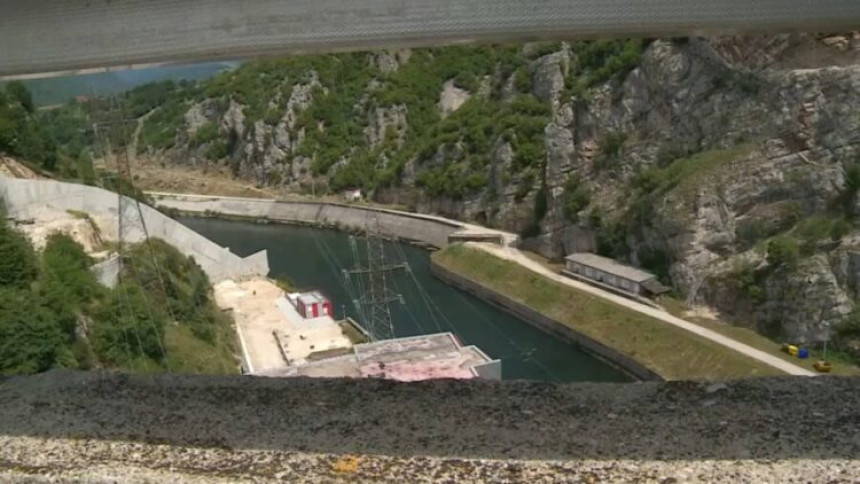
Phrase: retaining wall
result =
(556, 328)
(403, 225)
(27, 199)
(107, 271)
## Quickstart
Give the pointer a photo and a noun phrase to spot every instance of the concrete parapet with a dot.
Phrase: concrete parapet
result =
(97, 427)
(25, 199)
(493, 238)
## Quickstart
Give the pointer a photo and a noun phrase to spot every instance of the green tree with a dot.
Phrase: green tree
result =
(66, 283)
(128, 328)
(17, 258)
(18, 92)
(31, 338)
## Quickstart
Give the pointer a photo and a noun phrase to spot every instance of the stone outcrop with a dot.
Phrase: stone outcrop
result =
(766, 125)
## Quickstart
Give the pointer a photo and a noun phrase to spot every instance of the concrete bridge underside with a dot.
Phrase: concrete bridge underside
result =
(53, 36)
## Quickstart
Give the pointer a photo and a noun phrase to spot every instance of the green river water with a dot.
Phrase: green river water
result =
(313, 259)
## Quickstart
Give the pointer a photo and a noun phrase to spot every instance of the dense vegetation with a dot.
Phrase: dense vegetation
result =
(20, 131)
(347, 90)
(56, 315)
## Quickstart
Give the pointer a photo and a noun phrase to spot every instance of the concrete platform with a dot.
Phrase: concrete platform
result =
(416, 358)
(272, 333)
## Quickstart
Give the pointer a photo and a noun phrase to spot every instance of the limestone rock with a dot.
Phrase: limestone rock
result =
(381, 119)
(548, 77)
(451, 97)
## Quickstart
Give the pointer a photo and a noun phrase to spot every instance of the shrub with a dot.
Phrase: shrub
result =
(205, 133)
(17, 259)
(217, 150)
(744, 278)
(31, 338)
(66, 283)
(783, 251)
(611, 144)
(128, 327)
(575, 197)
(811, 231)
(839, 229)
(523, 79)
(851, 187)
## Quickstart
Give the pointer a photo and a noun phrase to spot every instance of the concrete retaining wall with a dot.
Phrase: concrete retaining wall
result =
(560, 330)
(25, 199)
(403, 225)
(107, 271)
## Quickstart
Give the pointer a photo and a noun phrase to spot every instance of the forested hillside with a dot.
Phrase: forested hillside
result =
(54, 313)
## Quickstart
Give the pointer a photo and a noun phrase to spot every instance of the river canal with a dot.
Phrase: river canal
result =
(314, 259)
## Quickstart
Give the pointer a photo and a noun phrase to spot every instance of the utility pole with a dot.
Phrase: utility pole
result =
(374, 296)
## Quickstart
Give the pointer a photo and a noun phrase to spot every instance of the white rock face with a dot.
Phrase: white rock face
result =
(451, 97)
(381, 119)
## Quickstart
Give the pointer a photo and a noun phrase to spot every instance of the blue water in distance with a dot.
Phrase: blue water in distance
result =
(314, 259)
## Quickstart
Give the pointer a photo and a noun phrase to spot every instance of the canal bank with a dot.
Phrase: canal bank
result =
(728, 358)
(642, 345)
(314, 258)
(422, 229)
(636, 369)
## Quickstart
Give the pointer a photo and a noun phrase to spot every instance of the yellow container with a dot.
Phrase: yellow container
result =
(792, 350)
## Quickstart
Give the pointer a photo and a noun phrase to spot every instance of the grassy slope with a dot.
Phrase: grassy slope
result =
(672, 352)
(841, 365)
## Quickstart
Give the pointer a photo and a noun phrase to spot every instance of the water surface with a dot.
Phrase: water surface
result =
(314, 259)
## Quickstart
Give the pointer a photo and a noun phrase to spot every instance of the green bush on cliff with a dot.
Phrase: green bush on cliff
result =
(206, 133)
(783, 251)
(575, 197)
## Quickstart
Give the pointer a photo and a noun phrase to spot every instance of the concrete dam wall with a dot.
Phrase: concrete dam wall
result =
(402, 225)
(30, 199)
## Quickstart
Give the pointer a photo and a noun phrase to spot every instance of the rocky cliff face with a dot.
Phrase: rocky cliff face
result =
(686, 156)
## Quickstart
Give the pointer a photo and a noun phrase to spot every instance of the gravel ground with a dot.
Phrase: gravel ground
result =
(106, 427)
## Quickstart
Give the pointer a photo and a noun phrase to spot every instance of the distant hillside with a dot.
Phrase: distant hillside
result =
(58, 90)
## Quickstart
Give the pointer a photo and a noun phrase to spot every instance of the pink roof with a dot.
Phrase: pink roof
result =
(406, 370)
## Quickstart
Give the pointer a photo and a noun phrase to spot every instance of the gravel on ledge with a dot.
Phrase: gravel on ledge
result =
(103, 426)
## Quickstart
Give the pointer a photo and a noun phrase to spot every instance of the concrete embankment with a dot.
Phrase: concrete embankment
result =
(545, 323)
(425, 229)
(31, 199)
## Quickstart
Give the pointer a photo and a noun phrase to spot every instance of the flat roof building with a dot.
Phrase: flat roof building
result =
(412, 358)
(603, 271)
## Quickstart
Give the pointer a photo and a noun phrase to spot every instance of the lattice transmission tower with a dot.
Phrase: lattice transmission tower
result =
(109, 127)
(369, 282)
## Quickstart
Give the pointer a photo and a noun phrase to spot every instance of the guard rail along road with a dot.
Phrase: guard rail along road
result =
(50, 36)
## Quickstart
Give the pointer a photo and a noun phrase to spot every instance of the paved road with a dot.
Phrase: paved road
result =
(38, 36)
(515, 255)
